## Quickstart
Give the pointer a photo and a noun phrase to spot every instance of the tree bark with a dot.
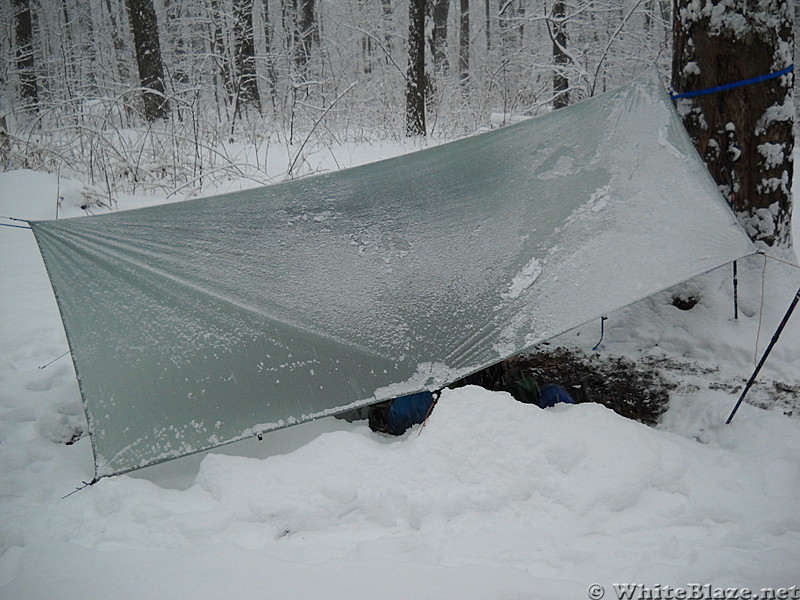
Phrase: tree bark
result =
(144, 27)
(745, 135)
(23, 29)
(415, 79)
(560, 57)
(244, 56)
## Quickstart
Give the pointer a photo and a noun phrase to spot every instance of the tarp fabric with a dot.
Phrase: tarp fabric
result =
(198, 323)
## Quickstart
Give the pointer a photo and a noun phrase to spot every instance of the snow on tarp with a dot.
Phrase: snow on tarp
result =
(202, 322)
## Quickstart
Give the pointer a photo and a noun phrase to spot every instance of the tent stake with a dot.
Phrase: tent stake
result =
(774, 339)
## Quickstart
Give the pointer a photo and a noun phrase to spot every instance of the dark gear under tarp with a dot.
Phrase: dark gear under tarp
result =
(198, 323)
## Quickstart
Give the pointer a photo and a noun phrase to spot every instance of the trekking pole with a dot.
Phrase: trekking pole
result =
(774, 339)
(735, 293)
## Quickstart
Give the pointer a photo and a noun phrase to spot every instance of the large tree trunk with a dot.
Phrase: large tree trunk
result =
(244, 56)
(148, 57)
(744, 134)
(560, 57)
(415, 79)
(23, 29)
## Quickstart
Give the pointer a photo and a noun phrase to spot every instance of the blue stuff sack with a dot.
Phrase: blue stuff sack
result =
(551, 394)
(406, 411)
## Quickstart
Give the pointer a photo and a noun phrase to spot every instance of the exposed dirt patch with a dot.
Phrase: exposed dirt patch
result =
(635, 390)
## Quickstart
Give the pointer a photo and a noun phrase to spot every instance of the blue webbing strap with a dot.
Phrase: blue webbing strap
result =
(603, 320)
(730, 86)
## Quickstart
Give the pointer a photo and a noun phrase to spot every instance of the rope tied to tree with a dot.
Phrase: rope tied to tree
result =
(731, 86)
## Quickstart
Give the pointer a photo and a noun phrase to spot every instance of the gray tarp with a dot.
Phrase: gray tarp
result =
(201, 322)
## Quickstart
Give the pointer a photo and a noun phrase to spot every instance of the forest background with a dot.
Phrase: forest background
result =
(180, 96)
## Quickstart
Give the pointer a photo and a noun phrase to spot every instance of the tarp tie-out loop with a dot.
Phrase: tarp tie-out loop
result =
(780, 260)
(44, 366)
(82, 487)
(603, 320)
(436, 396)
(734, 85)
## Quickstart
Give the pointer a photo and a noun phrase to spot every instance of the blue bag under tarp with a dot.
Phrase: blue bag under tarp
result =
(407, 411)
(551, 394)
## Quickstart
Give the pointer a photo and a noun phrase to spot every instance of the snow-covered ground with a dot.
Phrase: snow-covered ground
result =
(491, 499)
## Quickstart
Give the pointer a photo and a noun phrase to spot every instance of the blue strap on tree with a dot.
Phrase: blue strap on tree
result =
(730, 86)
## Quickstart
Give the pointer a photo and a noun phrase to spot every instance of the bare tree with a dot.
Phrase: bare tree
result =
(23, 28)
(440, 12)
(144, 27)
(120, 51)
(463, 42)
(415, 78)
(558, 33)
(487, 15)
(269, 35)
(244, 56)
(307, 31)
(745, 134)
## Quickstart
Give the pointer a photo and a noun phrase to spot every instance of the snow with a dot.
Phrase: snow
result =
(490, 499)
(524, 279)
(773, 154)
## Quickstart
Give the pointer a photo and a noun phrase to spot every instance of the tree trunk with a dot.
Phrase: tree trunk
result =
(415, 80)
(745, 135)
(463, 43)
(272, 74)
(223, 77)
(307, 32)
(119, 46)
(23, 28)
(440, 11)
(488, 23)
(144, 27)
(244, 56)
(560, 57)
(506, 19)
(387, 29)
